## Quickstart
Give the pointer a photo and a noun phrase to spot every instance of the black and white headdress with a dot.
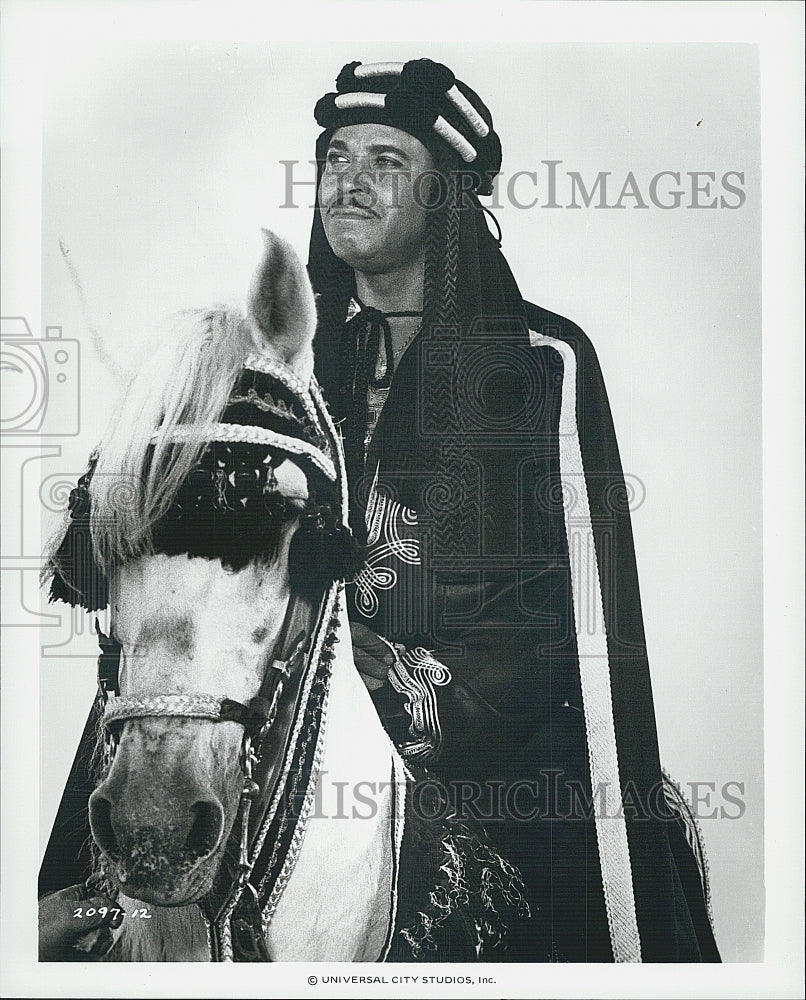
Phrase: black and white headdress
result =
(423, 98)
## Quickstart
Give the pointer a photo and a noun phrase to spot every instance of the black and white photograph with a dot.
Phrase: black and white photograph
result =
(402, 499)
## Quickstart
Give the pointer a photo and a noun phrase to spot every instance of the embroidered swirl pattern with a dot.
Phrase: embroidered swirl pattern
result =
(389, 524)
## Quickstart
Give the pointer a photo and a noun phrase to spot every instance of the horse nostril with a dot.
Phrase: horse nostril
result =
(206, 830)
(101, 825)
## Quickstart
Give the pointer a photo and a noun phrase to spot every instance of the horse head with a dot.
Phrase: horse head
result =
(214, 514)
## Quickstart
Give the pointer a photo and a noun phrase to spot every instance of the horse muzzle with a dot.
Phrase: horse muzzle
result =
(161, 827)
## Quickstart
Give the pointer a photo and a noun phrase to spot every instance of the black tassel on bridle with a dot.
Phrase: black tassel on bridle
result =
(322, 550)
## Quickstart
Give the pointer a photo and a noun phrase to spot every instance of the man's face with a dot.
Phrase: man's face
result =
(372, 204)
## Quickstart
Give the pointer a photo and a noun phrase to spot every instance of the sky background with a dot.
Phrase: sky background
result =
(162, 158)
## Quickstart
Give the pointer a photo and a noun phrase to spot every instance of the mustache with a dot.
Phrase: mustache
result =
(349, 201)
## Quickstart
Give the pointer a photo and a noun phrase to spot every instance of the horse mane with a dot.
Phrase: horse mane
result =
(187, 380)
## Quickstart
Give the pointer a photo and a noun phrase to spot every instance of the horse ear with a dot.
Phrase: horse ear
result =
(282, 305)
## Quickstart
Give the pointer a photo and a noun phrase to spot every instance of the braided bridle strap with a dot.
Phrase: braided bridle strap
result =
(189, 706)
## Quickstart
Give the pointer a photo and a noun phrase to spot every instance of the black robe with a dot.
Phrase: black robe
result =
(537, 617)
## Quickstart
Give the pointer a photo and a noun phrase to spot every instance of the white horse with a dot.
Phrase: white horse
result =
(250, 806)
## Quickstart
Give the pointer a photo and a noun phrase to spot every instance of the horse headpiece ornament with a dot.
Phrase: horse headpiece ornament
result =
(423, 98)
(224, 483)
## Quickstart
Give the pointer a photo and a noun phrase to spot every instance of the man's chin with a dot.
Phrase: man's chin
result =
(355, 252)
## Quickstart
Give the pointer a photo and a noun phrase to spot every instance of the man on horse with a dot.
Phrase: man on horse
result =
(497, 621)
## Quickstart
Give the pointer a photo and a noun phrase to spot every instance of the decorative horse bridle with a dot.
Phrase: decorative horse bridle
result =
(294, 691)
(235, 926)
